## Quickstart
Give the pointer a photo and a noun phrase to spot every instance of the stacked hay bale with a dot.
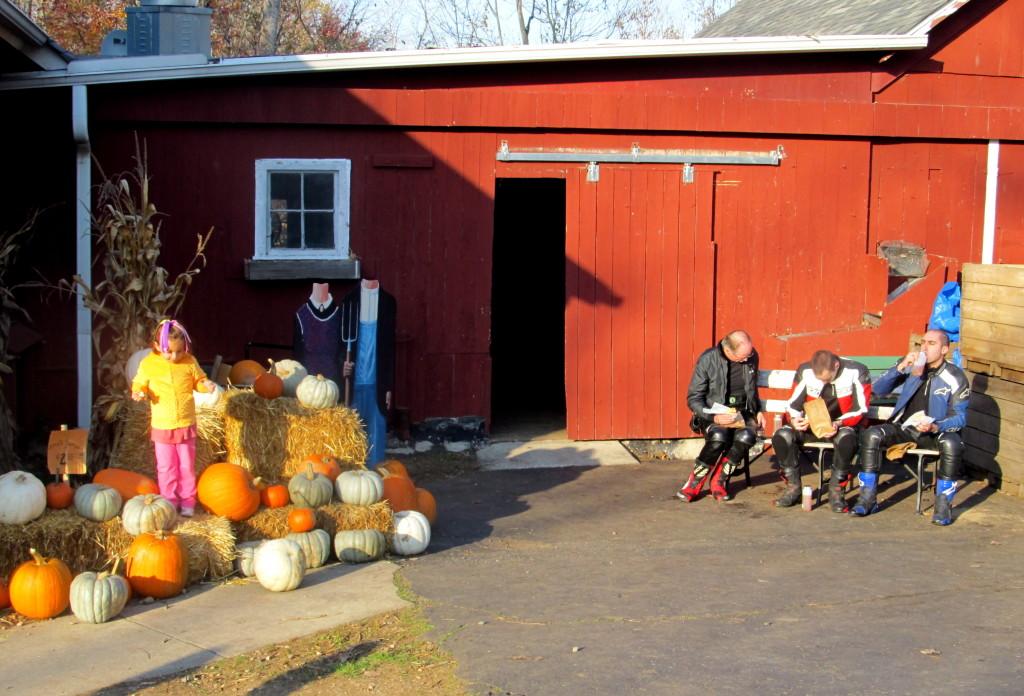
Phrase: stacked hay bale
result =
(992, 343)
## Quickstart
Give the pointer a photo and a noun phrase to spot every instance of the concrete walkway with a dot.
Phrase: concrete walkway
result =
(552, 454)
(64, 656)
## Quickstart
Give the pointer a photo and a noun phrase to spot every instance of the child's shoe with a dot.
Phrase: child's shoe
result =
(187, 511)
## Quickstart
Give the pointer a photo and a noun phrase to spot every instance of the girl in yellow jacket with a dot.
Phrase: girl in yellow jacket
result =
(167, 377)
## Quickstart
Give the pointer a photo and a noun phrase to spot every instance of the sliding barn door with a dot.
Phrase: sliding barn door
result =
(640, 269)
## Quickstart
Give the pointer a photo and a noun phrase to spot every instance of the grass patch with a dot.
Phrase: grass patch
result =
(401, 658)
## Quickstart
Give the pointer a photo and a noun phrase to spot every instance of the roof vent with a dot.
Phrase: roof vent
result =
(168, 27)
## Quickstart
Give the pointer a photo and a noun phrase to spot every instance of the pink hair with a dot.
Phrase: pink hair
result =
(165, 327)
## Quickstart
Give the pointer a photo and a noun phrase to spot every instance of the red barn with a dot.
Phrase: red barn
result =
(565, 228)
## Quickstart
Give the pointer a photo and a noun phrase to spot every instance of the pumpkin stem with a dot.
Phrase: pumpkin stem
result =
(37, 557)
(257, 482)
(149, 498)
(310, 474)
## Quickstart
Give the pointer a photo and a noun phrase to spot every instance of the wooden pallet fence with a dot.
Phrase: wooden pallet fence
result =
(992, 320)
(995, 431)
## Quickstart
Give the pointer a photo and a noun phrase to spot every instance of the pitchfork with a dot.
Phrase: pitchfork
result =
(349, 334)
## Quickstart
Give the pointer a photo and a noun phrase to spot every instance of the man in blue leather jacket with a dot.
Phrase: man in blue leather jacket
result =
(939, 389)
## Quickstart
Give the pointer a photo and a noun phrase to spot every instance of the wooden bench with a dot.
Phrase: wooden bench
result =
(880, 410)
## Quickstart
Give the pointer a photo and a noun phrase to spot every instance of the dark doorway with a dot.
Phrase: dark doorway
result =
(528, 309)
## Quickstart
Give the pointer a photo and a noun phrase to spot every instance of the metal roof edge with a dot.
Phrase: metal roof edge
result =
(110, 70)
(929, 22)
(38, 46)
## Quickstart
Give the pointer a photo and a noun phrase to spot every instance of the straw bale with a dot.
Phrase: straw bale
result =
(133, 450)
(273, 437)
(86, 545)
(272, 523)
(63, 534)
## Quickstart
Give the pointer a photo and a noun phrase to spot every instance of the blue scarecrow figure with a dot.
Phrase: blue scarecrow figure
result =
(369, 314)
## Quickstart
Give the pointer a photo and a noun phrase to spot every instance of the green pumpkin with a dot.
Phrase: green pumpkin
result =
(315, 544)
(97, 503)
(310, 489)
(359, 487)
(359, 545)
(99, 597)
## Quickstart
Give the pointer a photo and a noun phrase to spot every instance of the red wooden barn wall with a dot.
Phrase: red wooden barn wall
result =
(658, 268)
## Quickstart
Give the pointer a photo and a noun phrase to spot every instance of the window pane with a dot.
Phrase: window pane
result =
(285, 191)
(285, 230)
(319, 230)
(319, 191)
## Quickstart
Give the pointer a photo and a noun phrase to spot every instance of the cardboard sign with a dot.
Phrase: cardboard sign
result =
(817, 413)
(66, 452)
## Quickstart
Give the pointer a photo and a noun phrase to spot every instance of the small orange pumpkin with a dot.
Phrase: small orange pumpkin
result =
(301, 519)
(400, 493)
(5, 596)
(229, 491)
(157, 565)
(127, 483)
(426, 504)
(268, 385)
(59, 495)
(40, 588)
(323, 464)
(393, 467)
(244, 373)
(274, 496)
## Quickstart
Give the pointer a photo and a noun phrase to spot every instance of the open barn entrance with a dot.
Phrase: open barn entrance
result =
(528, 310)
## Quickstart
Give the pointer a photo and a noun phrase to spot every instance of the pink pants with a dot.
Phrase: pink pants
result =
(176, 473)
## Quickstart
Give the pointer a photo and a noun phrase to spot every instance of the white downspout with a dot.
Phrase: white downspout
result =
(988, 228)
(83, 248)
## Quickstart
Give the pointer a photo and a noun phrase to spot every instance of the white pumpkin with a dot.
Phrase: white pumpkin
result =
(279, 565)
(208, 399)
(359, 487)
(412, 533)
(310, 489)
(97, 503)
(315, 544)
(148, 513)
(22, 497)
(99, 597)
(317, 392)
(245, 555)
(359, 545)
(291, 373)
(131, 368)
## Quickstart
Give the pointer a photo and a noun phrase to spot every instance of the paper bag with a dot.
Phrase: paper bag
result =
(817, 413)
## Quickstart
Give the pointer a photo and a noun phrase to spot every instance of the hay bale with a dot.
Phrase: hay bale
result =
(86, 545)
(273, 437)
(63, 534)
(272, 523)
(133, 450)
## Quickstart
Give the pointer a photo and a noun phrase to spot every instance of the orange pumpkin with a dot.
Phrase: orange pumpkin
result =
(40, 588)
(274, 496)
(323, 464)
(268, 385)
(157, 565)
(127, 483)
(5, 596)
(393, 467)
(244, 373)
(426, 504)
(229, 491)
(301, 519)
(400, 493)
(59, 495)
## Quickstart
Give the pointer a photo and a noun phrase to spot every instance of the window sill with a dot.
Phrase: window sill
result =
(302, 269)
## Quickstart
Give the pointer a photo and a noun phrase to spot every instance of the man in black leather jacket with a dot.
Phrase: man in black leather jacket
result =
(725, 374)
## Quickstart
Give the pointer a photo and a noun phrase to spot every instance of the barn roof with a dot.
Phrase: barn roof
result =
(24, 46)
(829, 17)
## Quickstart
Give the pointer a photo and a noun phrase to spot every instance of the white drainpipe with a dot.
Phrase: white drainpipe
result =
(83, 248)
(988, 227)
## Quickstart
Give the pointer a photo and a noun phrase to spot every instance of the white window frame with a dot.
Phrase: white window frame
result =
(342, 170)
